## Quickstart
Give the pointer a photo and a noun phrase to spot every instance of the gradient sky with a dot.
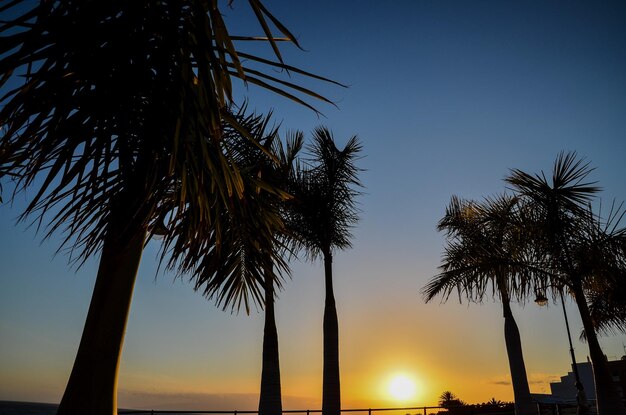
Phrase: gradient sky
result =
(446, 98)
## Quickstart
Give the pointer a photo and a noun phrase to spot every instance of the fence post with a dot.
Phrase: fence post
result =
(369, 411)
(424, 410)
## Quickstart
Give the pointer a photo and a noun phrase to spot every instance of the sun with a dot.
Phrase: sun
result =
(402, 388)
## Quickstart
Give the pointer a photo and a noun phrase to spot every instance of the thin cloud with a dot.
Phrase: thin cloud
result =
(541, 380)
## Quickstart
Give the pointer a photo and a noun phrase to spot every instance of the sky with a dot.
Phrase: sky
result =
(446, 97)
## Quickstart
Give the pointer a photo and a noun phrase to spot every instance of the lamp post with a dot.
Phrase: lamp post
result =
(581, 398)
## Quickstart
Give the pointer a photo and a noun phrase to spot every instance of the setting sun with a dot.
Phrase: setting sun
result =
(402, 388)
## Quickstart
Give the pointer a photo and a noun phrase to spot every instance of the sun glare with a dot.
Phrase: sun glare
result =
(402, 388)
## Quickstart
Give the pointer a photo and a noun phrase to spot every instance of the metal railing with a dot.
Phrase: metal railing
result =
(424, 410)
(413, 410)
(484, 409)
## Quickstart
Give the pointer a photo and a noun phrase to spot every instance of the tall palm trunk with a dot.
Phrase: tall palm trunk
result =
(270, 401)
(92, 386)
(331, 391)
(607, 399)
(521, 391)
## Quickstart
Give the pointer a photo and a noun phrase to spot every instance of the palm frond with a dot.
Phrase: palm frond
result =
(567, 192)
(126, 98)
(608, 309)
(325, 189)
(577, 247)
(486, 252)
(229, 257)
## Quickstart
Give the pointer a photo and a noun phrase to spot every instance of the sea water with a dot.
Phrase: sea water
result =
(34, 408)
(27, 408)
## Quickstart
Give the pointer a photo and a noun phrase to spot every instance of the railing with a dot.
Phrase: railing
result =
(414, 410)
(561, 409)
(485, 409)
(424, 410)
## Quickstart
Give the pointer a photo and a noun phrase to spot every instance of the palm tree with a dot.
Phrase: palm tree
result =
(232, 271)
(448, 399)
(251, 269)
(485, 248)
(270, 399)
(118, 112)
(494, 402)
(561, 238)
(604, 255)
(321, 216)
(607, 306)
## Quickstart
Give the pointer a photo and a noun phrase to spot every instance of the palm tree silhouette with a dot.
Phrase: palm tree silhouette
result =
(233, 270)
(607, 305)
(604, 255)
(448, 399)
(561, 239)
(321, 217)
(282, 173)
(494, 401)
(248, 270)
(485, 248)
(119, 112)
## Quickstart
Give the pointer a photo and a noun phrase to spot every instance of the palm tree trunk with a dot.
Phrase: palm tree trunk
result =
(607, 399)
(521, 391)
(331, 390)
(270, 401)
(92, 386)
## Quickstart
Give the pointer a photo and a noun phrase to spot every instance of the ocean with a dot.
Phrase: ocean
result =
(27, 408)
(34, 408)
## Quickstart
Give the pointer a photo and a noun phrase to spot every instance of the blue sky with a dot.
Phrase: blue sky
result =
(446, 98)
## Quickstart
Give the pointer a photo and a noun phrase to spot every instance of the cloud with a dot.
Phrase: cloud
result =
(539, 382)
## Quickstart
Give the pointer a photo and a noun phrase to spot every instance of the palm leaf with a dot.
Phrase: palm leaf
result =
(325, 189)
(486, 252)
(114, 91)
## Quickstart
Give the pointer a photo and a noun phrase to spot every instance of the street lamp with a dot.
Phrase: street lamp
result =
(581, 398)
